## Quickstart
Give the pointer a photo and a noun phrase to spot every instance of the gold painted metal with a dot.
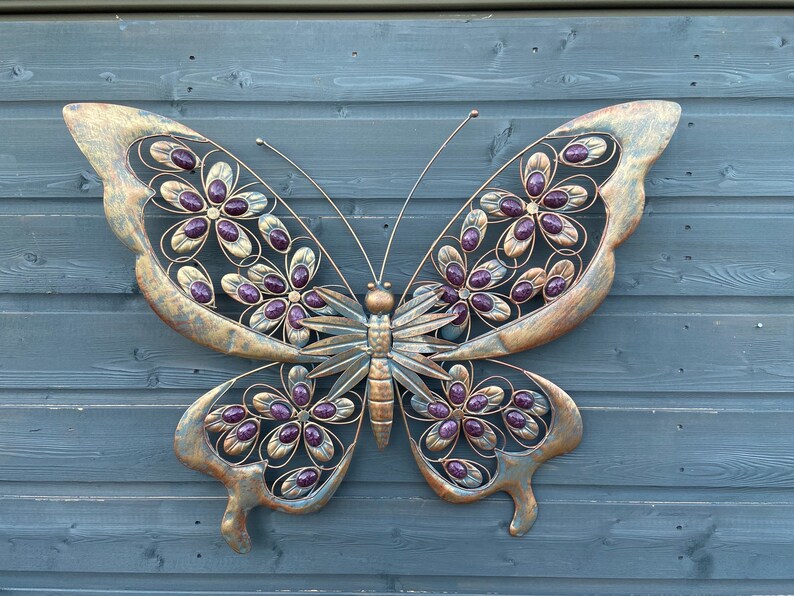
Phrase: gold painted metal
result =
(407, 354)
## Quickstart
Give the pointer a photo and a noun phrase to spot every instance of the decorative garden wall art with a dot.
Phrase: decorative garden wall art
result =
(229, 263)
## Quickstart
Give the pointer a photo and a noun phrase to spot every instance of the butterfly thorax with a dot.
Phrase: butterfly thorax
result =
(379, 335)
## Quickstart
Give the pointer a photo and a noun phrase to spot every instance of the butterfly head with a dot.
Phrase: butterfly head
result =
(379, 299)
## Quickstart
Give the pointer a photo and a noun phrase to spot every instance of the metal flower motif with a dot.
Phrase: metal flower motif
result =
(241, 428)
(521, 412)
(301, 418)
(466, 290)
(219, 202)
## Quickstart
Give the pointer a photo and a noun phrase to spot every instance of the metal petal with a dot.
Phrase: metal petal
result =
(567, 236)
(223, 172)
(334, 325)
(423, 290)
(257, 202)
(452, 330)
(561, 269)
(473, 477)
(180, 241)
(420, 365)
(487, 441)
(491, 202)
(536, 277)
(447, 255)
(299, 374)
(338, 363)
(423, 324)
(232, 443)
(474, 226)
(260, 271)
(303, 256)
(458, 374)
(214, 421)
(514, 247)
(187, 276)
(231, 283)
(415, 307)
(267, 225)
(172, 189)
(529, 431)
(336, 344)
(325, 450)
(540, 405)
(260, 322)
(263, 401)
(495, 268)
(596, 147)
(161, 152)
(420, 403)
(577, 196)
(276, 448)
(500, 311)
(494, 394)
(344, 409)
(537, 163)
(434, 441)
(345, 306)
(290, 489)
(239, 248)
(297, 336)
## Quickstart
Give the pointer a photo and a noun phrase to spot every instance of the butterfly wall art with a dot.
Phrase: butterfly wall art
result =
(231, 264)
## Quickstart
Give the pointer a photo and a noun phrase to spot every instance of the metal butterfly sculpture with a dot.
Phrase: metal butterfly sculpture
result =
(240, 271)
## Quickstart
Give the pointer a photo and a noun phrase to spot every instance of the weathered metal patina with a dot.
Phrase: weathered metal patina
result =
(240, 272)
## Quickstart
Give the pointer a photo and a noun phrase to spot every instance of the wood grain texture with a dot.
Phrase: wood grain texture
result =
(683, 482)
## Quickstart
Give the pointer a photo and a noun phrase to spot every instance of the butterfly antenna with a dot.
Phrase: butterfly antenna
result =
(473, 114)
(263, 143)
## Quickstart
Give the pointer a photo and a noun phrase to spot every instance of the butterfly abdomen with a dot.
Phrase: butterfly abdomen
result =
(380, 388)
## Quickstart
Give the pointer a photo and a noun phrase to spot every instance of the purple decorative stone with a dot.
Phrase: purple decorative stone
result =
(235, 207)
(307, 478)
(477, 403)
(448, 429)
(274, 309)
(535, 184)
(247, 431)
(524, 399)
(324, 410)
(314, 300)
(201, 292)
(457, 393)
(555, 199)
(301, 394)
(516, 419)
(555, 286)
(280, 410)
(300, 276)
(279, 239)
(248, 293)
(462, 311)
(196, 228)
(191, 201)
(313, 435)
(482, 302)
(470, 239)
(438, 409)
(474, 428)
(233, 414)
(228, 231)
(480, 278)
(274, 284)
(511, 207)
(455, 274)
(182, 158)
(449, 295)
(456, 469)
(289, 433)
(551, 223)
(524, 229)
(294, 317)
(522, 291)
(216, 191)
(576, 153)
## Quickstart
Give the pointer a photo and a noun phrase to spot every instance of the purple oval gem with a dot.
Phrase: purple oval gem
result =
(470, 239)
(551, 223)
(313, 300)
(307, 478)
(248, 293)
(216, 191)
(456, 469)
(279, 239)
(448, 429)
(457, 393)
(455, 274)
(462, 311)
(313, 435)
(535, 184)
(576, 153)
(274, 309)
(228, 231)
(555, 199)
(474, 428)
(280, 410)
(555, 286)
(438, 409)
(300, 276)
(201, 292)
(233, 414)
(196, 228)
(191, 201)
(522, 291)
(449, 295)
(480, 278)
(295, 316)
(324, 410)
(524, 399)
(235, 207)
(477, 403)
(289, 433)
(516, 419)
(301, 394)
(182, 158)
(482, 302)
(247, 431)
(524, 229)
(511, 207)
(274, 284)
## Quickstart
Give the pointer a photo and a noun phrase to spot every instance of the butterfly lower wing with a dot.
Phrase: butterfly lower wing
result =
(283, 443)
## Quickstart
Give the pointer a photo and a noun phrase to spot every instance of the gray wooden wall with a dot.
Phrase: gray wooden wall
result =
(684, 481)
